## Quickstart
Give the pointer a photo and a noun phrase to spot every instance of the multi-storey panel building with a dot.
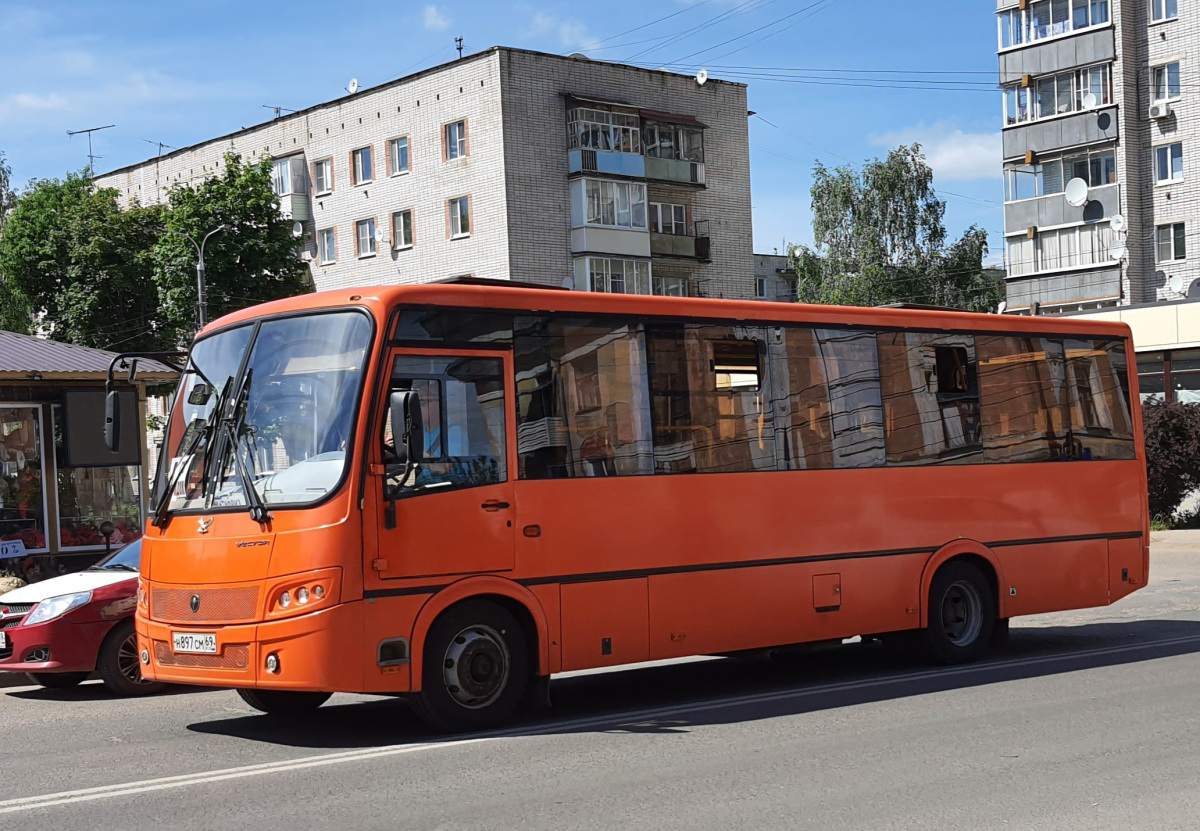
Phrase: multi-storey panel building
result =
(507, 164)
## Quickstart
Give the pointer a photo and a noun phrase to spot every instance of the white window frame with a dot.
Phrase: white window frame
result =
(456, 216)
(323, 173)
(400, 241)
(760, 288)
(281, 177)
(394, 156)
(610, 199)
(326, 236)
(1021, 22)
(592, 128)
(614, 275)
(669, 286)
(1163, 71)
(364, 252)
(1060, 249)
(1080, 82)
(1163, 153)
(676, 218)
(663, 140)
(1160, 10)
(456, 145)
(363, 174)
(1169, 230)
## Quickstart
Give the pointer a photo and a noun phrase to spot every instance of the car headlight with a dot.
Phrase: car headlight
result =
(57, 607)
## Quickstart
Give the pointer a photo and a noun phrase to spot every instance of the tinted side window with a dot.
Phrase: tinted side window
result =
(852, 370)
(454, 326)
(1096, 395)
(930, 398)
(709, 399)
(582, 402)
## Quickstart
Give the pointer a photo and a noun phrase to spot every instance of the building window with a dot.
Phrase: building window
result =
(1165, 81)
(362, 162)
(1064, 248)
(674, 141)
(1172, 242)
(666, 218)
(402, 229)
(760, 287)
(287, 176)
(1058, 94)
(615, 276)
(365, 237)
(596, 129)
(326, 245)
(1097, 168)
(460, 216)
(671, 286)
(1164, 9)
(1168, 162)
(397, 150)
(1050, 18)
(455, 140)
(616, 204)
(323, 176)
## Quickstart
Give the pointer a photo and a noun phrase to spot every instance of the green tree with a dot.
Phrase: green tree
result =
(72, 264)
(253, 260)
(14, 310)
(881, 238)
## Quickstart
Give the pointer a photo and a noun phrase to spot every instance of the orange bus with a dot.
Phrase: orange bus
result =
(454, 490)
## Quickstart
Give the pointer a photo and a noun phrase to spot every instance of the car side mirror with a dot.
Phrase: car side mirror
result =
(112, 421)
(407, 429)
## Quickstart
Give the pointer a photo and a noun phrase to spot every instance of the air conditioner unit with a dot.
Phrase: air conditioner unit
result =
(1160, 110)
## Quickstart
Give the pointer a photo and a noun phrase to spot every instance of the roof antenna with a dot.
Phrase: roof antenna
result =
(458, 46)
(91, 156)
(161, 145)
(278, 110)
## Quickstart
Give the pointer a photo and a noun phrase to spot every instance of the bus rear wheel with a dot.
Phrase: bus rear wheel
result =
(962, 614)
(476, 668)
(285, 703)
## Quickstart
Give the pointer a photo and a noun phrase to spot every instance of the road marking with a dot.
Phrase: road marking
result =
(30, 803)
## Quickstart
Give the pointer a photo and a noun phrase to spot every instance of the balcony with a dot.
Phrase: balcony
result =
(584, 160)
(1042, 57)
(295, 206)
(1101, 284)
(612, 241)
(1053, 210)
(675, 170)
(695, 247)
(1088, 127)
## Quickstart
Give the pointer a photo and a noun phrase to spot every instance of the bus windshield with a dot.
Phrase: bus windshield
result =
(281, 424)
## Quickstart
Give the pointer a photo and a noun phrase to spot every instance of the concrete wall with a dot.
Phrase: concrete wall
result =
(1060, 132)
(1081, 48)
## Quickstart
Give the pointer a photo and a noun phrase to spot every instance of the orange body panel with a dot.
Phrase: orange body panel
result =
(631, 568)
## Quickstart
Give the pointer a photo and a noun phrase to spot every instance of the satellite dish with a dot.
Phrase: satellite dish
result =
(1090, 101)
(1116, 250)
(701, 77)
(1175, 284)
(297, 230)
(379, 237)
(352, 87)
(568, 282)
(579, 56)
(1076, 192)
(1000, 309)
(1117, 223)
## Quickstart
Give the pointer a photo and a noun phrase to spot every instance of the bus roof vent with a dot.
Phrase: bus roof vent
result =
(488, 281)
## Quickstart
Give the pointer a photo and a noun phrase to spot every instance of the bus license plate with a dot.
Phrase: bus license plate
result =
(190, 642)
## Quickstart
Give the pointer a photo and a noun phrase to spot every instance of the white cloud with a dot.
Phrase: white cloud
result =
(435, 20)
(571, 34)
(29, 101)
(954, 155)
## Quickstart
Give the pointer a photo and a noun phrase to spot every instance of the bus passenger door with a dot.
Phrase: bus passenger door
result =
(454, 513)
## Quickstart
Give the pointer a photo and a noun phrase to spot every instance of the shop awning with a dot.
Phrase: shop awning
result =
(22, 357)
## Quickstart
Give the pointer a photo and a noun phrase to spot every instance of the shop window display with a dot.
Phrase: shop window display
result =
(89, 498)
(22, 506)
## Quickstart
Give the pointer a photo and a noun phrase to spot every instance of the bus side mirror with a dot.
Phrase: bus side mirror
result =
(407, 429)
(112, 421)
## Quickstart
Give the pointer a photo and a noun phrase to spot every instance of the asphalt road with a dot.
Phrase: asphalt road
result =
(1088, 720)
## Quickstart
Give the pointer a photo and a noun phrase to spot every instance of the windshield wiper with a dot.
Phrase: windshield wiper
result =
(234, 432)
(208, 433)
(115, 567)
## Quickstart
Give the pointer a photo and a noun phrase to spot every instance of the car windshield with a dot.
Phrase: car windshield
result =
(282, 426)
(127, 559)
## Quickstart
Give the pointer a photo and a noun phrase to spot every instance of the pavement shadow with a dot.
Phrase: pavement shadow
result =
(96, 692)
(676, 697)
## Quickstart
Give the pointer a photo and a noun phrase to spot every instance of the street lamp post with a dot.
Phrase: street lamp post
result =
(201, 288)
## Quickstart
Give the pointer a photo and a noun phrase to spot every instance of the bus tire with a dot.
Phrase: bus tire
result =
(284, 703)
(118, 663)
(476, 668)
(962, 614)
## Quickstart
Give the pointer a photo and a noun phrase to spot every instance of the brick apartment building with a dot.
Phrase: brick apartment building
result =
(507, 164)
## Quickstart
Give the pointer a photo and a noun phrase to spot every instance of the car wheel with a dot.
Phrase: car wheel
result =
(118, 664)
(58, 680)
(476, 668)
(285, 703)
(962, 614)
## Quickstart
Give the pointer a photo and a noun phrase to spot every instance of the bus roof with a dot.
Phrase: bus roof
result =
(501, 295)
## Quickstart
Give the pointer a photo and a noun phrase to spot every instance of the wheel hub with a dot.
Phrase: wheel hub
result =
(962, 613)
(476, 666)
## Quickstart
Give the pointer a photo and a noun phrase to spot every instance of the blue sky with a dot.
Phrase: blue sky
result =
(180, 73)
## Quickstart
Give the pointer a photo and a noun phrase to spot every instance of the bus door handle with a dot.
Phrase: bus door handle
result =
(494, 505)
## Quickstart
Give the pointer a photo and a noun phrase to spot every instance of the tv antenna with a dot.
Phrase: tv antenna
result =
(91, 156)
(458, 45)
(278, 110)
(161, 145)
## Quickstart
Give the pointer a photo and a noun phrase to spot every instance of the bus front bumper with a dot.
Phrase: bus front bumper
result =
(315, 652)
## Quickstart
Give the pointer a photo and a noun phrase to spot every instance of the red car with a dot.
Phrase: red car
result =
(61, 630)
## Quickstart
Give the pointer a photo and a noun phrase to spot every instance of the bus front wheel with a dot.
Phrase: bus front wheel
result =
(962, 614)
(286, 703)
(476, 668)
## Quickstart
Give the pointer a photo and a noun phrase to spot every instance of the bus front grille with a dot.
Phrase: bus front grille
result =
(237, 604)
(234, 656)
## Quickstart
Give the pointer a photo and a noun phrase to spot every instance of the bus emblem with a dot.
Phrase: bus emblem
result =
(195, 604)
